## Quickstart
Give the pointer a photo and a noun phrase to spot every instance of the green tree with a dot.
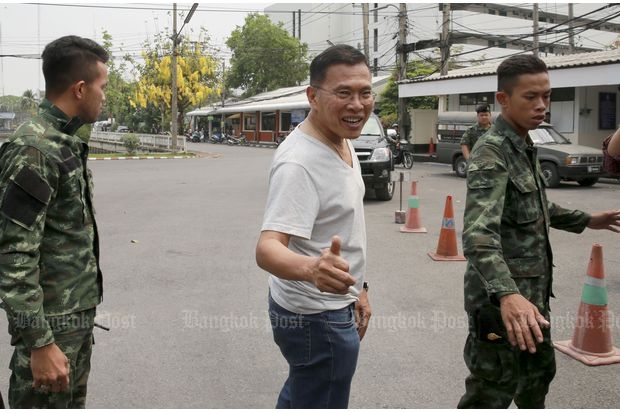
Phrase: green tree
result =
(29, 102)
(119, 91)
(196, 76)
(265, 57)
(389, 97)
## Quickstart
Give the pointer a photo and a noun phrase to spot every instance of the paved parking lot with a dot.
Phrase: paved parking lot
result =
(186, 302)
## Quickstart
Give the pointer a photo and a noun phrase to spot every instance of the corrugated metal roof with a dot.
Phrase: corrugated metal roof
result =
(287, 98)
(553, 62)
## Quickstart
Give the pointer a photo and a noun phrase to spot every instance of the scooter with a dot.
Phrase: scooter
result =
(218, 137)
(197, 136)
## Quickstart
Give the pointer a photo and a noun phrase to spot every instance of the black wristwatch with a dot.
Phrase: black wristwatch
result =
(365, 286)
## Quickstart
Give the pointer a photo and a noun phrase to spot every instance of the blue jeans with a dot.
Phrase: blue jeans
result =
(321, 350)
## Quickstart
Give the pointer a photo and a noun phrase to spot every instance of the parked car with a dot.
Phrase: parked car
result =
(375, 158)
(559, 158)
(122, 129)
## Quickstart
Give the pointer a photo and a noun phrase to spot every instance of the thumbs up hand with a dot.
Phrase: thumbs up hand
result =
(331, 271)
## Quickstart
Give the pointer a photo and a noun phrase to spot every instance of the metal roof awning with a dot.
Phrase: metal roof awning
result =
(582, 69)
(283, 99)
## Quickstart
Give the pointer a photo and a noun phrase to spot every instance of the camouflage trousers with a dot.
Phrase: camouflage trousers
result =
(501, 373)
(73, 334)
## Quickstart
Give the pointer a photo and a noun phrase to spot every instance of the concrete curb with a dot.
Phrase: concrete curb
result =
(135, 158)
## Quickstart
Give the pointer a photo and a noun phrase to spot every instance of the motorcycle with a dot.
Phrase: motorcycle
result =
(400, 154)
(239, 140)
(280, 138)
(218, 137)
(196, 136)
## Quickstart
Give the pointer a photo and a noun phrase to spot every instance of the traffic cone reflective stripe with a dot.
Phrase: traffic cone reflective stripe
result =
(447, 223)
(447, 249)
(594, 292)
(592, 340)
(412, 222)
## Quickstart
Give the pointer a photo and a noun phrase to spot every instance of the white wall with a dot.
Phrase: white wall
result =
(588, 123)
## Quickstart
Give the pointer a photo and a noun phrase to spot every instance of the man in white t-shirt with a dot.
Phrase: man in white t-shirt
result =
(313, 238)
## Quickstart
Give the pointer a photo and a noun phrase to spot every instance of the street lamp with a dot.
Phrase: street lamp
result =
(176, 39)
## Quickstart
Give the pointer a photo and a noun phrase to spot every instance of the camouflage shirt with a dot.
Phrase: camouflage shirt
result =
(49, 248)
(507, 220)
(471, 135)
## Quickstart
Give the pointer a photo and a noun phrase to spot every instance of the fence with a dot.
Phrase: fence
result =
(150, 143)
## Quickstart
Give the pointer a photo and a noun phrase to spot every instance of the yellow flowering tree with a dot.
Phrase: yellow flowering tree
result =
(197, 78)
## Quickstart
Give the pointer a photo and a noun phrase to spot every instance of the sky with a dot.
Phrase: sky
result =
(25, 29)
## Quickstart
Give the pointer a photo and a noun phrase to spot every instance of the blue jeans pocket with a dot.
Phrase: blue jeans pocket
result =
(291, 333)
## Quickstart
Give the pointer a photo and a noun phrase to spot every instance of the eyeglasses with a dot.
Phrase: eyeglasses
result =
(345, 95)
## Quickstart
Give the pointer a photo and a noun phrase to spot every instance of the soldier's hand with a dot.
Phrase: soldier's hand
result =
(50, 368)
(331, 271)
(523, 321)
(606, 220)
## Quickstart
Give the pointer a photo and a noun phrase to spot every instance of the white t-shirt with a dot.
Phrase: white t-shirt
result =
(314, 195)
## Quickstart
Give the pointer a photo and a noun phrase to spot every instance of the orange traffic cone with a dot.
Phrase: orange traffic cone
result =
(412, 223)
(592, 342)
(431, 147)
(446, 248)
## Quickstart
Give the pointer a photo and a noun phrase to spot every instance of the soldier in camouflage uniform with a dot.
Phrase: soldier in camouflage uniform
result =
(471, 135)
(506, 241)
(50, 280)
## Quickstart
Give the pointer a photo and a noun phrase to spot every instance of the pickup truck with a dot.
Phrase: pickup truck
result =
(375, 158)
(559, 158)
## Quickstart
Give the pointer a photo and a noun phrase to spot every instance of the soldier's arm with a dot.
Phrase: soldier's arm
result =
(26, 181)
(465, 150)
(570, 220)
(465, 141)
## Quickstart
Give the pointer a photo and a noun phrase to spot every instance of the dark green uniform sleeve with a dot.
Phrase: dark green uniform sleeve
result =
(487, 179)
(466, 138)
(26, 188)
(568, 219)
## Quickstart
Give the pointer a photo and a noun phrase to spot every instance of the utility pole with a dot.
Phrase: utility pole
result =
(535, 20)
(299, 24)
(403, 116)
(365, 11)
(174, 108)
(445, 39)
(294, 33)
(173, 105)
(571, 30)
(444, 48)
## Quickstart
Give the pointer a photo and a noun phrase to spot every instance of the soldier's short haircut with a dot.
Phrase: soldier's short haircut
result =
(70, 59)
(513, 67)
(337, 54)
